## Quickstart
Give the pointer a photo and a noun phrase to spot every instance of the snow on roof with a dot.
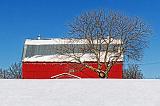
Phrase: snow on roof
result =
(57, 57)
(60, 41)
(54, 41)
(65, 58)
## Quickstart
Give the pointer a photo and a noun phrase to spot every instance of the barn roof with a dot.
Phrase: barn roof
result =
(61, 41)
(44, 50)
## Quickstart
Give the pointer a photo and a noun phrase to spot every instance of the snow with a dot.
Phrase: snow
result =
(61, 41)
(66, 58)
(80, 92)
(47, 58)
(61, 58)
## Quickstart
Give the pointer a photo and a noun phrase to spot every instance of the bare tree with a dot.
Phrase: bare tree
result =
(133, 72)
(4, 74)
(15, 71)
(1, 73)
(108, 38)
(157, 77)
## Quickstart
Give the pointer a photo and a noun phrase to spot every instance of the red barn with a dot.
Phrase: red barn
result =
(42, 61)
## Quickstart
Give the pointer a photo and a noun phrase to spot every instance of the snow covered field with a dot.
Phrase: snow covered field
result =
(80, 92)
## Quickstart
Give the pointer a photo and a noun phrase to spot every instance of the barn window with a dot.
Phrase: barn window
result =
(32, 50)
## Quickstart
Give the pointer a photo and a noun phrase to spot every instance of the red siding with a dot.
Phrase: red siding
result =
(42, 70)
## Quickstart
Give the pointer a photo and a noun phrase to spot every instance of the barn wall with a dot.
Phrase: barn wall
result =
(44, 70)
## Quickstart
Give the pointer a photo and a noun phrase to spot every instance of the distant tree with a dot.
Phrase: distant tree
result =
(100, 30)
(4, 74)
(157, 77)
(15, 71)
(133, 72)
(1, 73)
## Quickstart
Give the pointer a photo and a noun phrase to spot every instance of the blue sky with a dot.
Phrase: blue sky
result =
(21, 19)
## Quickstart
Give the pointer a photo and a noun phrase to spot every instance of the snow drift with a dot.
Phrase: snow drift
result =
(83, 92)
